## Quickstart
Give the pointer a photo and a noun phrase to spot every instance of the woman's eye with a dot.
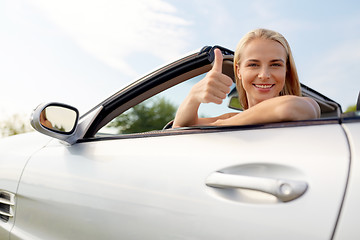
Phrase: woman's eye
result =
(252, 65)
(276, 64)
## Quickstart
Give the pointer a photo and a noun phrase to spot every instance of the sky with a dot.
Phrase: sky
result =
(80, 52)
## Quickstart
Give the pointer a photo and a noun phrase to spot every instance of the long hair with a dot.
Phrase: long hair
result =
(292, 84)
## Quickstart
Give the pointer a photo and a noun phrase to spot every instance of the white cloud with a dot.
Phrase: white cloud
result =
(112, 30)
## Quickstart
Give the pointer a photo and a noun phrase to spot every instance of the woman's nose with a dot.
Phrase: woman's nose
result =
(264, 74)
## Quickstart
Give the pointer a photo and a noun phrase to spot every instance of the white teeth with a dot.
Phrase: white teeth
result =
(263, 86)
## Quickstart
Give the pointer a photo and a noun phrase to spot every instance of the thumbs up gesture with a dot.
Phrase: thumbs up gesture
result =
(214, 87)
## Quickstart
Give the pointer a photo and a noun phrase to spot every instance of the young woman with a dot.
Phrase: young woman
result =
(266, 80)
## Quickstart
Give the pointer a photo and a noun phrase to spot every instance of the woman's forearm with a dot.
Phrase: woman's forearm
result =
(186, 114)
(279, 109)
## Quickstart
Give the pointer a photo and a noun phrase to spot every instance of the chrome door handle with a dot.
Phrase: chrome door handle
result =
(285, 190)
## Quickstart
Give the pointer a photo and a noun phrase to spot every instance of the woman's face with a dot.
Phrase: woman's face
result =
(262, 70)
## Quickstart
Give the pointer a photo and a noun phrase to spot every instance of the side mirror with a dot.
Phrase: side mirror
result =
(55, 119)
(234, 103)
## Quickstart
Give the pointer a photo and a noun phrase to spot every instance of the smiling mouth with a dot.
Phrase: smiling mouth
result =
(264, 86)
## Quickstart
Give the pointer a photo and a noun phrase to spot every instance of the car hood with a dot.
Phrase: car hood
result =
(15, 151)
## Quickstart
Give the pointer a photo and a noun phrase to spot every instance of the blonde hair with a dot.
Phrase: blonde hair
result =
(292, 84)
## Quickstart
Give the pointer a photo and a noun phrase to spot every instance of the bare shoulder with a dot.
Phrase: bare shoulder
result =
(314, 105)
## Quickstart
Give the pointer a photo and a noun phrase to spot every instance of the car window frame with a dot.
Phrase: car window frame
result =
(152, 84)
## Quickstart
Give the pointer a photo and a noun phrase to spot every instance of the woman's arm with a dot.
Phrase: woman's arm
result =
(213, 88)
(278, 109)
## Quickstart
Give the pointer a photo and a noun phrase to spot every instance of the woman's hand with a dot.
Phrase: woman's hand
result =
(215, 86)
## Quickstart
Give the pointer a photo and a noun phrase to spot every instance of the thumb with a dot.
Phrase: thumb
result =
(218, 61)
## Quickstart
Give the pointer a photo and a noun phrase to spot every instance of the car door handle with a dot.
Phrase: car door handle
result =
(285, 190)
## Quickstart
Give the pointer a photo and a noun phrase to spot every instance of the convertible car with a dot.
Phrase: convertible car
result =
(96, 176)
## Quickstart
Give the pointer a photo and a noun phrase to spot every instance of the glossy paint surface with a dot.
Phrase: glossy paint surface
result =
(154, 188)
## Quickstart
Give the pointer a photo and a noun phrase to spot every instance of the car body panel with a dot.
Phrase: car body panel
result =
(18, 150)
(347, 227)
(14, 154)
(154, 187)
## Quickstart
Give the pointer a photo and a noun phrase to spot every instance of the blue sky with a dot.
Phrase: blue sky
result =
(81, 51)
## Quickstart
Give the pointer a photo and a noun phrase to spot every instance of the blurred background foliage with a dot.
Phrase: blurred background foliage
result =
(351, 108)
(14, 125)
(149, 115)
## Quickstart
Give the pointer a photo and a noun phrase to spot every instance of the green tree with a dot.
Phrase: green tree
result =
(152, 114)
(14, 125)
(351, 108)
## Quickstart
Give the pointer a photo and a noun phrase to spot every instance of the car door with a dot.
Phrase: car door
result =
(161, 185)
(347, 226)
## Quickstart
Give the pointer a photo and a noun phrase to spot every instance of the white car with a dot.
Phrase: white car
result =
(93, 179)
